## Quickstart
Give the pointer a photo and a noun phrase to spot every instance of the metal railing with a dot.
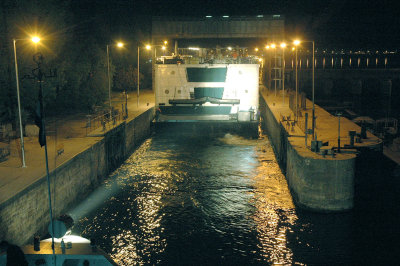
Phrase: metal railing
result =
(300, 118)
(103, 121)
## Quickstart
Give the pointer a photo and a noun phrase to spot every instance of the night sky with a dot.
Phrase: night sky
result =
(331, 23)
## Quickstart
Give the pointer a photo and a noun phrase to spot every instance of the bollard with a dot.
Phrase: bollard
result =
(352, 135)
(305, 128)
(363, 131)
(338, 114)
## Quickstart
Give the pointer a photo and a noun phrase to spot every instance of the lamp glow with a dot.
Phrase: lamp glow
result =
(267, 47)
(163, 47)
(256, 49)
(148, 47)
(165, 42)
(283, 45)
(296, 42)
(273, 46)
(120, 44)
(35, 39)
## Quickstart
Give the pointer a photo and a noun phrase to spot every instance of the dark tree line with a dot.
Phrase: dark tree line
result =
(74, 35)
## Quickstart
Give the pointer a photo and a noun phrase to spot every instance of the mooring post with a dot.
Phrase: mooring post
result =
(305, 128)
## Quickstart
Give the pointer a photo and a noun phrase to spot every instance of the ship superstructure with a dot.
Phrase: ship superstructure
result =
(212, 87)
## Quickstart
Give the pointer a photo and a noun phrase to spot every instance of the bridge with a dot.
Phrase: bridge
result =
(260, 27)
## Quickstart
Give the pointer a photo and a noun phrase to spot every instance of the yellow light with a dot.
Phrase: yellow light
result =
(267, 47)
(35, 39)
(165, 42)
(296, 42)
(148, 47)
(283, 45)
(230, 48)
(256, 49)
(120, 44)
(293, 48)
(163, 47)
(273, 46)
(259, 59)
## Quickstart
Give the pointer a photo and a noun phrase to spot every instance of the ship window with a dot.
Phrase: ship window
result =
(166, 91)
(199, 74)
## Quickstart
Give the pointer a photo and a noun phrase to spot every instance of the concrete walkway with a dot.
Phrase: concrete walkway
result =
(71, 137)
(326, 126)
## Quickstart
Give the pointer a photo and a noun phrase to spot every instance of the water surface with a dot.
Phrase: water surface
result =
(223, 200)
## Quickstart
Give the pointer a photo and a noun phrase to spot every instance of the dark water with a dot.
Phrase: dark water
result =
(191, 200)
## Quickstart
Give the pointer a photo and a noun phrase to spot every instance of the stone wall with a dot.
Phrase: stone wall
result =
(27, 212)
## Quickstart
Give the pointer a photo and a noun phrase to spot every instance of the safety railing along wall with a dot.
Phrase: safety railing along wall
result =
(104, 121)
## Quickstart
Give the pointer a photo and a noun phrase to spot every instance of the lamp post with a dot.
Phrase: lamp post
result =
(313, 99)
(313, 87)
(269, 61)
(119, 45)
(163, 47)
(35, 40)
(296, 43)
(273, 46)
(148, 47)
(283, 45)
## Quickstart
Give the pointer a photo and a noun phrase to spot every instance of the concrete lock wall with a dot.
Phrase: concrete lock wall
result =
(322, 185)
(27, 212)
(276, 133)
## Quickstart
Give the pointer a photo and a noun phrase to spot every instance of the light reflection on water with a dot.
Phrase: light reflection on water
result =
(196, 200)
(220, 201)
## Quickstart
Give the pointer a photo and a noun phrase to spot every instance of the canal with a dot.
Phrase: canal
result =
(185, 199)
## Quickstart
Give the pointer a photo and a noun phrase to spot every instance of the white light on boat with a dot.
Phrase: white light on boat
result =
(69, 238)
(194, 48)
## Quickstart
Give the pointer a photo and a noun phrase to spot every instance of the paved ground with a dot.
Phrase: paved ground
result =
(71, 134)
(326, 126)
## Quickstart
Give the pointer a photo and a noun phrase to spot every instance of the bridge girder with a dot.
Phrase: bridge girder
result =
(270, 28)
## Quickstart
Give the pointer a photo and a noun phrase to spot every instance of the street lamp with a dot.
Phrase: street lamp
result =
(148, 47)
(34, 39)
(296, 43)
(273, 46)
(119, 45)
(163, 47)
(313, 87)
(283, 45)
